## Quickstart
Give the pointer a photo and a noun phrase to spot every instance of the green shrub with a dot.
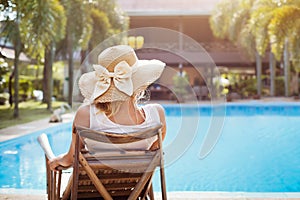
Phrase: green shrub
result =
(25, 85)
(2, 100)
(248, 87)
(279, 86)
(181, 83)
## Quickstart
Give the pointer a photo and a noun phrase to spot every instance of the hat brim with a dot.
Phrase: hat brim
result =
(147, 72)
(144, 74)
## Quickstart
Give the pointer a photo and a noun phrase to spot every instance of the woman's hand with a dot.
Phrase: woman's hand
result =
(59, 161)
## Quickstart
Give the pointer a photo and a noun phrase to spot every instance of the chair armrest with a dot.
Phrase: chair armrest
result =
(44, 142)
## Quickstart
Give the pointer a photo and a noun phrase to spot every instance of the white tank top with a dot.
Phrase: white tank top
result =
(100, 122)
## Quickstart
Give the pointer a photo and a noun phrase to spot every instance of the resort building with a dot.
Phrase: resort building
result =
(191, 18)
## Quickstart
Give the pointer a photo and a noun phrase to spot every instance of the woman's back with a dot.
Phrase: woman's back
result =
(149, 116)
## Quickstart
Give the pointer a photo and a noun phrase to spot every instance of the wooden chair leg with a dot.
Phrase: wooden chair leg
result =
(163, 183)
(145, 178)
(52, 188)
(146, 194)
(162, 168)
(48, 181)
(58, 184)
(67, 192)
(75, 169)
(151, 193)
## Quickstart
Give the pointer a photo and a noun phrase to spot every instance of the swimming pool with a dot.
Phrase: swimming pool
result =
(258, 151)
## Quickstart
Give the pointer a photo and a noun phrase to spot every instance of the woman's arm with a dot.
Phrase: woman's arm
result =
(162, 117)
(82, 118)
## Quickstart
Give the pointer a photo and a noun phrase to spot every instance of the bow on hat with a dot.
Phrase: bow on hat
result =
(121, 78)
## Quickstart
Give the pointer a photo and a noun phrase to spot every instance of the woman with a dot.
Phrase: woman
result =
(111, 93)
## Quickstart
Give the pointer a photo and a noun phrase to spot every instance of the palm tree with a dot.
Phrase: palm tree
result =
(275, 23)
(31, 26)
(260, 19)
(77, 35)
(45, 24)
(266, 24)
(88, 24)
(284, 30)
(10, 29)
(261, 16)
(231, 20)
(108, 19)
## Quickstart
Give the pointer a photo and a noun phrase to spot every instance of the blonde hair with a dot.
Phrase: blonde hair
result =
(111, 108)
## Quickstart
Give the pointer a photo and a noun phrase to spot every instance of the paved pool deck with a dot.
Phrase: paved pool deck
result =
(23, 129)
(27, 128)
(185, 196)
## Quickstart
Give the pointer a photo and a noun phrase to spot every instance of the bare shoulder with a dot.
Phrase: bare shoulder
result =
(161, 112)
(83, 109)
(160, 109)
(82, 116)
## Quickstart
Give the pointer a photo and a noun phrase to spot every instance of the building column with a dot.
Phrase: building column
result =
(286, 70)
(258, 73)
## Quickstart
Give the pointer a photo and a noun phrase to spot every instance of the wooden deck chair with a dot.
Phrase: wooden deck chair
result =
(112, 174)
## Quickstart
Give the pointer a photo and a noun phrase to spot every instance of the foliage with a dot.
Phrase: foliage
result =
(118, 19)
(247, 87)
(9, 26)
(261, 26)
(108, 19)
(78, 25)
(33, 26)
(89, 23)
(285, 25)
(38, 24)
(181, 83)
(230, 20)
(101, 27)
(265, 21)
(3, 71)
(43, 22)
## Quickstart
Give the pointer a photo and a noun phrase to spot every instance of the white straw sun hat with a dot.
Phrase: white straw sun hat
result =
(118, 75)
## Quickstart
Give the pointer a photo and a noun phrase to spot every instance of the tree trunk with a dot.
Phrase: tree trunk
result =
(272, 73)
(258, 73)
(286, 69)
(48, 80)
(10, 100)
(83, 54)
(70, 63)
(17, 49)
(16, 84)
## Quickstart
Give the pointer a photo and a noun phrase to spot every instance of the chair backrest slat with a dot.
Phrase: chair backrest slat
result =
(117, 138)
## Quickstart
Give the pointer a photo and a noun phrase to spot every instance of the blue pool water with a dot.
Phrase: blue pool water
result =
(258, 151)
